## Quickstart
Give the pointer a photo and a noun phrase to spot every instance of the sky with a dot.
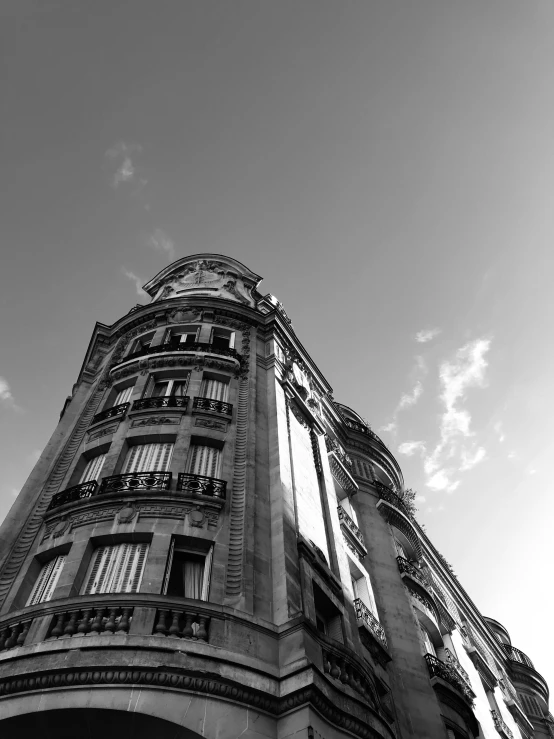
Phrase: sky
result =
(388, 167)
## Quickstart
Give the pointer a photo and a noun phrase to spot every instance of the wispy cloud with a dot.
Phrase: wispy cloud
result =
(409, 448)
(6, 395)
(499, 431)
(464, 371)
(427, 334)
(161, 242)
(123, 157)
(409, 399)
(137, 281)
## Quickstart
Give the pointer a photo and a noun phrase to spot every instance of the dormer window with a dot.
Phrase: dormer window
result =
(223, 339)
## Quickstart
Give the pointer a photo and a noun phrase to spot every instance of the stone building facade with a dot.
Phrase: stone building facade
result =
(210, 545)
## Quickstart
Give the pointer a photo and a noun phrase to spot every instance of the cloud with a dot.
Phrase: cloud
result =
(511, 455)
(123, 156)
(428, 334)
(469, 461)
(409, 399)
(161, 242)
(420, 499)
(5, 392)
(464, 371)
(409, 448)
(499, 432)
(138, 282)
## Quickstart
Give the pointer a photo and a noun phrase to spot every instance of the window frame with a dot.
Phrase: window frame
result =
(47, 579)
(206, 575)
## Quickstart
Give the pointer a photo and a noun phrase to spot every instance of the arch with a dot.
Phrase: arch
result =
(174, 714)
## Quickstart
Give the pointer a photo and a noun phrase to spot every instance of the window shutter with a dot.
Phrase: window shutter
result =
(47, 581)
(334, 629)
(93, 468)
(124, 396)
(168, 567)
(204, 460)
(136, 570)
(214, 390)
(148, 458)
(207, 574)
(117, 569)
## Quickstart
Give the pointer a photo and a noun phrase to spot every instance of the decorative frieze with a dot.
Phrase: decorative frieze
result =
(156, 421)
(211, 423)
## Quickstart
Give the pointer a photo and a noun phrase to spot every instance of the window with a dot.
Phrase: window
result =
(188, 573)
(123, 396)
(223, 339)
(186, 335)
(428, 645)
(93, 468)
(47, 581)
(327, 615)
(204, 460)
(148, 458)
(116, 569)
(143, 342)
(166, 388)
(214, 389)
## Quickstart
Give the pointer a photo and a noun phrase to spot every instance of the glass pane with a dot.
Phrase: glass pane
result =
(160, 388)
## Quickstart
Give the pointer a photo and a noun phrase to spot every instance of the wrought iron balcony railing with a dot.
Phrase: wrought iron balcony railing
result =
(208, 404)
(201, 485)
(452, 660)
(181, 347)
(351, 529)
(516, 655)
(161, 401)
(77, 492)
(386, 494)
(405, 566)
(116, 411)
(438, 668)
(500, 726)
(364, 614)
(135, 481)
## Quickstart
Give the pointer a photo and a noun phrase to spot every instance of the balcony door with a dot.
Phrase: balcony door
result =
(148, 458)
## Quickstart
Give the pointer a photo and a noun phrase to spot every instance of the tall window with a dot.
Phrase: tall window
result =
(428, 645)
(93, 468)
(148, 458)
(165, 388)
(123, 396)
(143, 342)
(223, 339)
(214, 389)
(204, 460)
(116, 569)
(47, 580)
(188, 573)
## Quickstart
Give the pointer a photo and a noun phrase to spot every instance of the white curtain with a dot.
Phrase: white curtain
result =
(204, 460)
(47, 580)
(193, 578)
(148, 458)
(124, 396)
(214, 389)
(93, 468)
(116, 569)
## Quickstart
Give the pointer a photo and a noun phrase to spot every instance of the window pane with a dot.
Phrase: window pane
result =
(160, 388)
(93, 468)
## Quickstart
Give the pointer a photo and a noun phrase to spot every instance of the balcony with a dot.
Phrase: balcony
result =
(394, 510)
(523, 671)
(369, 622)
(449, 674)
(208, 404)
(131, 481)
(77, 492)
(201, 485)
(500, 726)
(352, 535)
(196, 347)
(407, 568)
(116, 411)
(170, 401)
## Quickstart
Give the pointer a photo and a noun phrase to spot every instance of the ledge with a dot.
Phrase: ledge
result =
(397, 518)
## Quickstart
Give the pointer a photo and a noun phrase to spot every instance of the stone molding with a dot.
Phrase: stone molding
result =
(372, 726)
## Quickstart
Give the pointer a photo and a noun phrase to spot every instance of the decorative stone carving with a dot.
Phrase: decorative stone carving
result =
(126, 514)
(211, 276)
(102, 432)
(156, 421)
(60, 528)
(190, 315)
(209, 423)
(297, 413)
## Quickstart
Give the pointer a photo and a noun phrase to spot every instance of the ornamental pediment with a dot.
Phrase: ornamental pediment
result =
(207, 274)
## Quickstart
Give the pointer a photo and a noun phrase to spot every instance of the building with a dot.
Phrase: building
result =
(210, 545)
